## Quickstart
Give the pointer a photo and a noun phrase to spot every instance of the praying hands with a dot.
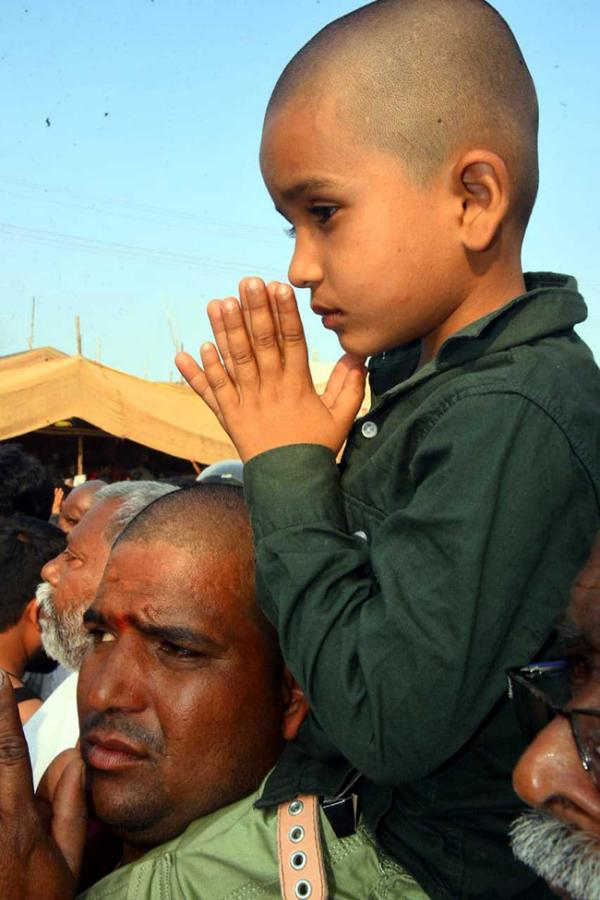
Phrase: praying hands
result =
(257, 379)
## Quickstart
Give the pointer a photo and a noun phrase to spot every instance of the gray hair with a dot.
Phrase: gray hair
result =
(135, 496)
(566, 856)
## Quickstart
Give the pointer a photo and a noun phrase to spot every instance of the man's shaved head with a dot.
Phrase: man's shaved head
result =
(425, 79)
(201, 517)
(212, 522)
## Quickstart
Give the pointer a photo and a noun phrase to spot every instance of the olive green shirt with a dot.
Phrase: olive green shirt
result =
(404, 581)
(232, 854)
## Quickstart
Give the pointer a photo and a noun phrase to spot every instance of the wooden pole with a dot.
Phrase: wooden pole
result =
(79, 455)
(78, 334)
(31, 329)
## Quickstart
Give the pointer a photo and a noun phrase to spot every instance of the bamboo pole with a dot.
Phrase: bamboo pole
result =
(79, 455)
(78, 334)
(32, 326)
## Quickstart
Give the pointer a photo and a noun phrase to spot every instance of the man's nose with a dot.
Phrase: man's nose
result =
(113, 678)
(551, 768)
(50, 571)
(305, 270)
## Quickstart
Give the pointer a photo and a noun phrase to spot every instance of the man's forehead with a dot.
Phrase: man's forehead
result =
(165, 581)
(584, 615)
(91, 526)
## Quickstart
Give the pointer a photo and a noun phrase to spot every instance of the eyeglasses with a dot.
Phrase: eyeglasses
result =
(539, 693)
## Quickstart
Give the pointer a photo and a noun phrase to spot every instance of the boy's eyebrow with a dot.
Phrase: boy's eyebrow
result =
(307, 186)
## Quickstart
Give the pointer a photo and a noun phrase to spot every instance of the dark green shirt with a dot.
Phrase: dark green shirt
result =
(406, 580)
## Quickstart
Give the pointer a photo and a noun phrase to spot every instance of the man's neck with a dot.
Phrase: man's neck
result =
(131, 852)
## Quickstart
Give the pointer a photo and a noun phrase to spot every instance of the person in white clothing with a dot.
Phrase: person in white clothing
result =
(69, 587)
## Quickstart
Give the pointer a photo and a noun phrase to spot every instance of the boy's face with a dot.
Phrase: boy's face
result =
(380, 254)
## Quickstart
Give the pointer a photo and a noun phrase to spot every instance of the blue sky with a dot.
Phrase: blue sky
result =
(142, 199)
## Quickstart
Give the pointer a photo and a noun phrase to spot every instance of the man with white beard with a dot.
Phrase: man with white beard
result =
(69, 587)
(559, 773)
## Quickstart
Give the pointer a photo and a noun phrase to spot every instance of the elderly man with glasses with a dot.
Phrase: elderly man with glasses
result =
(558, 707)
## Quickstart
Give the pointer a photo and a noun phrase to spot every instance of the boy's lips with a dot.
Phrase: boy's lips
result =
(330, 317)
(111, 751)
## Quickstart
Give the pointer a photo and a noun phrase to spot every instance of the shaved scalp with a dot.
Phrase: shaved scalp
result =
(209, 518)
(212, 521)
(426, 79)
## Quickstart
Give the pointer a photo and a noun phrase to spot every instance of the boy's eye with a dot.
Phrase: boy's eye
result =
(322, 213)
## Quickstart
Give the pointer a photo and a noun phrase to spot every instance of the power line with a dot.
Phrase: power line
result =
(108, 248)
(180, 216)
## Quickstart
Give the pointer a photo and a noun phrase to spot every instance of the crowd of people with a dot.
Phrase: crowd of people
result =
(293, 682)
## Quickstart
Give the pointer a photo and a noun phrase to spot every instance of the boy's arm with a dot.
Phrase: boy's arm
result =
(401, 643)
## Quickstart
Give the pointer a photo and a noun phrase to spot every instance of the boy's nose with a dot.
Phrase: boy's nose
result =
(305, 269)
(550, 775)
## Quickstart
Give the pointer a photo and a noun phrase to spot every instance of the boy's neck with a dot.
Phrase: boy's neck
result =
(488, 294)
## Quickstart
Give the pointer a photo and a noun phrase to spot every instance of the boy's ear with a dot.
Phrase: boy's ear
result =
(483, 185)
(30, 613)
(296, 706)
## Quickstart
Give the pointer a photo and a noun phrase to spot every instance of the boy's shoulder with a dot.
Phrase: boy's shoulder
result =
(528, 348)
(520, 383)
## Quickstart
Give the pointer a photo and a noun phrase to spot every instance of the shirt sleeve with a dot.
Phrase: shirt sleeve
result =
(401, 643)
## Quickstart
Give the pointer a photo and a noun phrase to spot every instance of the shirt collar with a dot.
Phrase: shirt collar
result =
(551, 304)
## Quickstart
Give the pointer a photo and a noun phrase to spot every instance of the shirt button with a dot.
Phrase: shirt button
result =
(369, 429)
(361, 534)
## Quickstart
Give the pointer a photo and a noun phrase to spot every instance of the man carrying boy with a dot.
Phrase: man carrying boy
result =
(401, 145)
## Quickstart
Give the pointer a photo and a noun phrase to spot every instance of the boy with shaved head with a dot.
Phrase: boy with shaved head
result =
(401, 145)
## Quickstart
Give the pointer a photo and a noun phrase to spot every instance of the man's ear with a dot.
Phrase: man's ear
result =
(482, 182)
(296, 707)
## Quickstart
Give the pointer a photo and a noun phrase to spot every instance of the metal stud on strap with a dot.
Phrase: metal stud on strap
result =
(301, 869)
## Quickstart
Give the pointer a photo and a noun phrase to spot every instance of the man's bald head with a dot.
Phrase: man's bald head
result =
(212, 522)
(77, 503)
(425, 79)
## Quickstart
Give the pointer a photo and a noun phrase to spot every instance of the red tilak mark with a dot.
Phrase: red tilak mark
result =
(121, 621)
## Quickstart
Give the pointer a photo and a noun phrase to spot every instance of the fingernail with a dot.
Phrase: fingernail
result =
(229, 305)
(282, 292)
(254, 285)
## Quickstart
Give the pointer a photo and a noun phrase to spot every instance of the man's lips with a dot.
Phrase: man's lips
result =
(111, 752)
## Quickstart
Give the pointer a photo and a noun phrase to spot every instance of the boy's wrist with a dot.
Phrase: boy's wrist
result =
(291, 486)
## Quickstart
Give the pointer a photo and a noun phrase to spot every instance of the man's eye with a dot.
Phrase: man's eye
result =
(322, 213)
(580, 669)
(177, 651)
(99, 636)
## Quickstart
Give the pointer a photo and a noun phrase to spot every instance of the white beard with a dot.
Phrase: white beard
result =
(564, 855)
(63, 636)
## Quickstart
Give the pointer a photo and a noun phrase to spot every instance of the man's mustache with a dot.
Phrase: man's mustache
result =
(123, 725)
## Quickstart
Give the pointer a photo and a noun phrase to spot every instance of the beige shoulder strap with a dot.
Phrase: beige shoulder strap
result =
(301, 870)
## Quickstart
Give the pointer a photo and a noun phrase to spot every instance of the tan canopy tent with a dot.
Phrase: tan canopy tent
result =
(40, 387)
(44, 386)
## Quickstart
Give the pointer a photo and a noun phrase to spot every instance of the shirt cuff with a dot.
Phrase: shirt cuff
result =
(293, 486)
